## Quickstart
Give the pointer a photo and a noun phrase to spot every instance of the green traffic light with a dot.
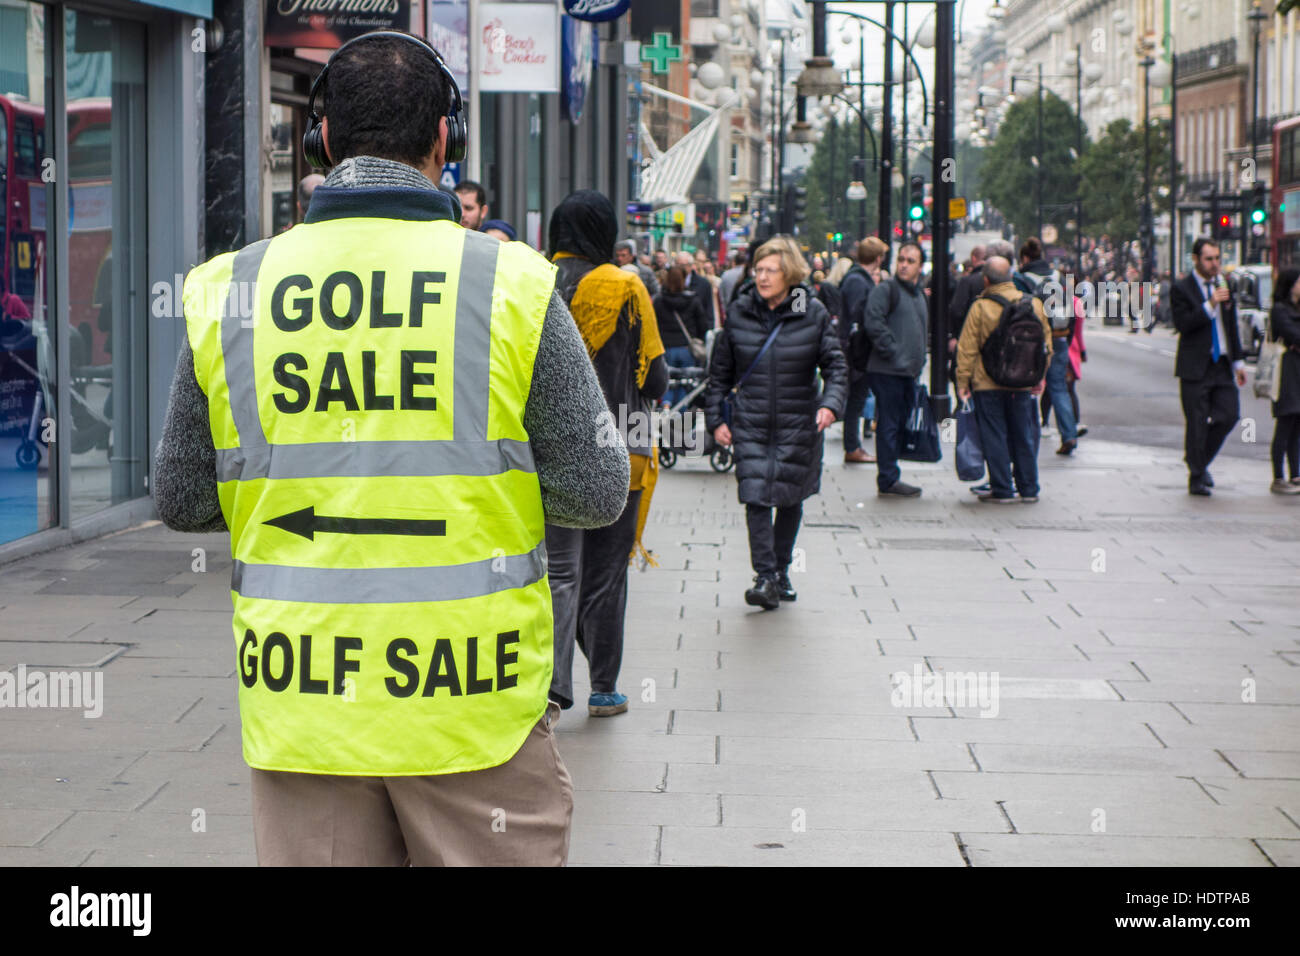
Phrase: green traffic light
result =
(916, 212)
(1257, 216)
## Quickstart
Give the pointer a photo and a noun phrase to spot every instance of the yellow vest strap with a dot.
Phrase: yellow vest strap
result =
(478, 272)
(453, 582)
(237, 342)
(373, 459)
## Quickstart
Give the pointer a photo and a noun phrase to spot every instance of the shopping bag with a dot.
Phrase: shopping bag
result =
(970, 454)
(920, 438)
(1268, 370)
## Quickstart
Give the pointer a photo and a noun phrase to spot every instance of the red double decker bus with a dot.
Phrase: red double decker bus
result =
(1284, 216)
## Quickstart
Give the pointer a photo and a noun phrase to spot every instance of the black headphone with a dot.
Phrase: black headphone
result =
(313, 141)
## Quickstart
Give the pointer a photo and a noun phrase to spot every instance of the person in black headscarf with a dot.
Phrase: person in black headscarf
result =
(588, 569)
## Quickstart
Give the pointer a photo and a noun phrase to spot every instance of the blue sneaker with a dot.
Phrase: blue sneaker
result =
(606, 705)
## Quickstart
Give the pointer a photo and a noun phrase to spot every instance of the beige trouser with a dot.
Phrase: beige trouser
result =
(517, 814)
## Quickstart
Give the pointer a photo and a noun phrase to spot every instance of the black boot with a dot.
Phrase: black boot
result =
(784, 589)
(764, 593)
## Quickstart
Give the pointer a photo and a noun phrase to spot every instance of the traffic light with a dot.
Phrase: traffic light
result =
(1259, 206)
(798, 206)
(839, 237)
(916, 202)
(1223, 227)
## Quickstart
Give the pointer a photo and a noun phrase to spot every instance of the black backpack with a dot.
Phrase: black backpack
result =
(1015, 354)
(859, 344)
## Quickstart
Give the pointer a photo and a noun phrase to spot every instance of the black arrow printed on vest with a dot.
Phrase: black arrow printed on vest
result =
(307, 523)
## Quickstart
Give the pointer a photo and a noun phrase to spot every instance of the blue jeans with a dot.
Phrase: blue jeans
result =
(859, 393)
(679, 356)
(1008, 421)
(894, 394)
(1059, 390)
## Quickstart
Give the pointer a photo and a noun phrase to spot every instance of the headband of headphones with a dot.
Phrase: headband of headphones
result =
(313, 140)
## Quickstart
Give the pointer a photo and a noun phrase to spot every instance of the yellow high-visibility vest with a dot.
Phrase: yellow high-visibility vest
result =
(366, 381)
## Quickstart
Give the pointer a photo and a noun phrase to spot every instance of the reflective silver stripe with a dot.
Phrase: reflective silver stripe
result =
(278, 582)
(478, 268)
(237, 343)
(372, 459)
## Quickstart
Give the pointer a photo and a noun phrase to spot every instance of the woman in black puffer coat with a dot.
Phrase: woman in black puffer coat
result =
(778, 415)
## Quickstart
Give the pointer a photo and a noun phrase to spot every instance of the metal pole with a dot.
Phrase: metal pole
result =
(1078, 149)
(1247, 231)
(862, 126)
(1146, 168)
(834, 137)
(780, 127)
(1038, 170)
(903, 158)
(941, 228)
(1174, 227)
(886, 220)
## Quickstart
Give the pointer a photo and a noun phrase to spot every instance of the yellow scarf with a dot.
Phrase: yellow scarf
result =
(597, 303)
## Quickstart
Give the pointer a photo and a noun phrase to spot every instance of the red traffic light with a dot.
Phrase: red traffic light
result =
(1225, 221)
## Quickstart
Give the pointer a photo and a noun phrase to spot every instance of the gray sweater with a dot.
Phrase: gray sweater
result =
(898, 335)
(584, 480)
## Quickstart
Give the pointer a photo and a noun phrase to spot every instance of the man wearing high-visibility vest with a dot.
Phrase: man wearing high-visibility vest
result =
(385, 409)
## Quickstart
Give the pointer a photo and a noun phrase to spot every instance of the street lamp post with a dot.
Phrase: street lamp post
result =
(886, 220)
(1256, 18)
(1147, 239)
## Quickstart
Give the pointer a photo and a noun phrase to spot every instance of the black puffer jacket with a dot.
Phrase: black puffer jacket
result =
(777, 445)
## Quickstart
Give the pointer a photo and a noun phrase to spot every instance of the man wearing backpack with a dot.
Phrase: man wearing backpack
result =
(1002, 358)
(895, 320)
(1036, 278)
(855, 288)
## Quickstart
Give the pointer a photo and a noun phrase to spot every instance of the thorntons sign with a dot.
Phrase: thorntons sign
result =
(328, 24)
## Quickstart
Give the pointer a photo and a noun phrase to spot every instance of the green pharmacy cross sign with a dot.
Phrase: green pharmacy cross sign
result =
(660, 53)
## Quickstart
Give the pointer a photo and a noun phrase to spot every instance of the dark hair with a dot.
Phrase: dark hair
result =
(674, 279)
(1286, 280)
(920, 250)
(469, 186)
(384, 97)
(1032, 249)
(1201, 243)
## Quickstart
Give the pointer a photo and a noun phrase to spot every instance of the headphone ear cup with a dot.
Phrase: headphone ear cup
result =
(313, 146)
(457, 138)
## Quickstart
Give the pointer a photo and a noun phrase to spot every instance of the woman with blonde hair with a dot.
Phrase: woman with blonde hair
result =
(763, 399)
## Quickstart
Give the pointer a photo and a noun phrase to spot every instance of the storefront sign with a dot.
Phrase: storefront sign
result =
(448, 33)
(580, 51)
(328, 24)
(518, 48)
(596, 11)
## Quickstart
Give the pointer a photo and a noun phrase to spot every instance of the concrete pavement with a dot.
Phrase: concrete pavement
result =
(1145, 647)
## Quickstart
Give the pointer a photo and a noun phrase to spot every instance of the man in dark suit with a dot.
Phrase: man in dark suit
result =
(698, 286)
(1209, 361)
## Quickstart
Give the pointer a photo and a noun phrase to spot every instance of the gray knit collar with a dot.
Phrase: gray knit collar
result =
(373, 171)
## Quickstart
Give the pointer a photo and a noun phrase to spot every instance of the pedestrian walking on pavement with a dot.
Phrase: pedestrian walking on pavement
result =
(588, 569)
(392, 612)
(680, 319)
(625, 258)
(1036, 277)
(1209, 362)
(732, 277)
(1006, 415)
(895, 319)
(855, 289)
(764, 369)
(1284, 327)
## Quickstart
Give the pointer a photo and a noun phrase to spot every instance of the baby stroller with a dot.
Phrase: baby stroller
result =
(681, 426)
